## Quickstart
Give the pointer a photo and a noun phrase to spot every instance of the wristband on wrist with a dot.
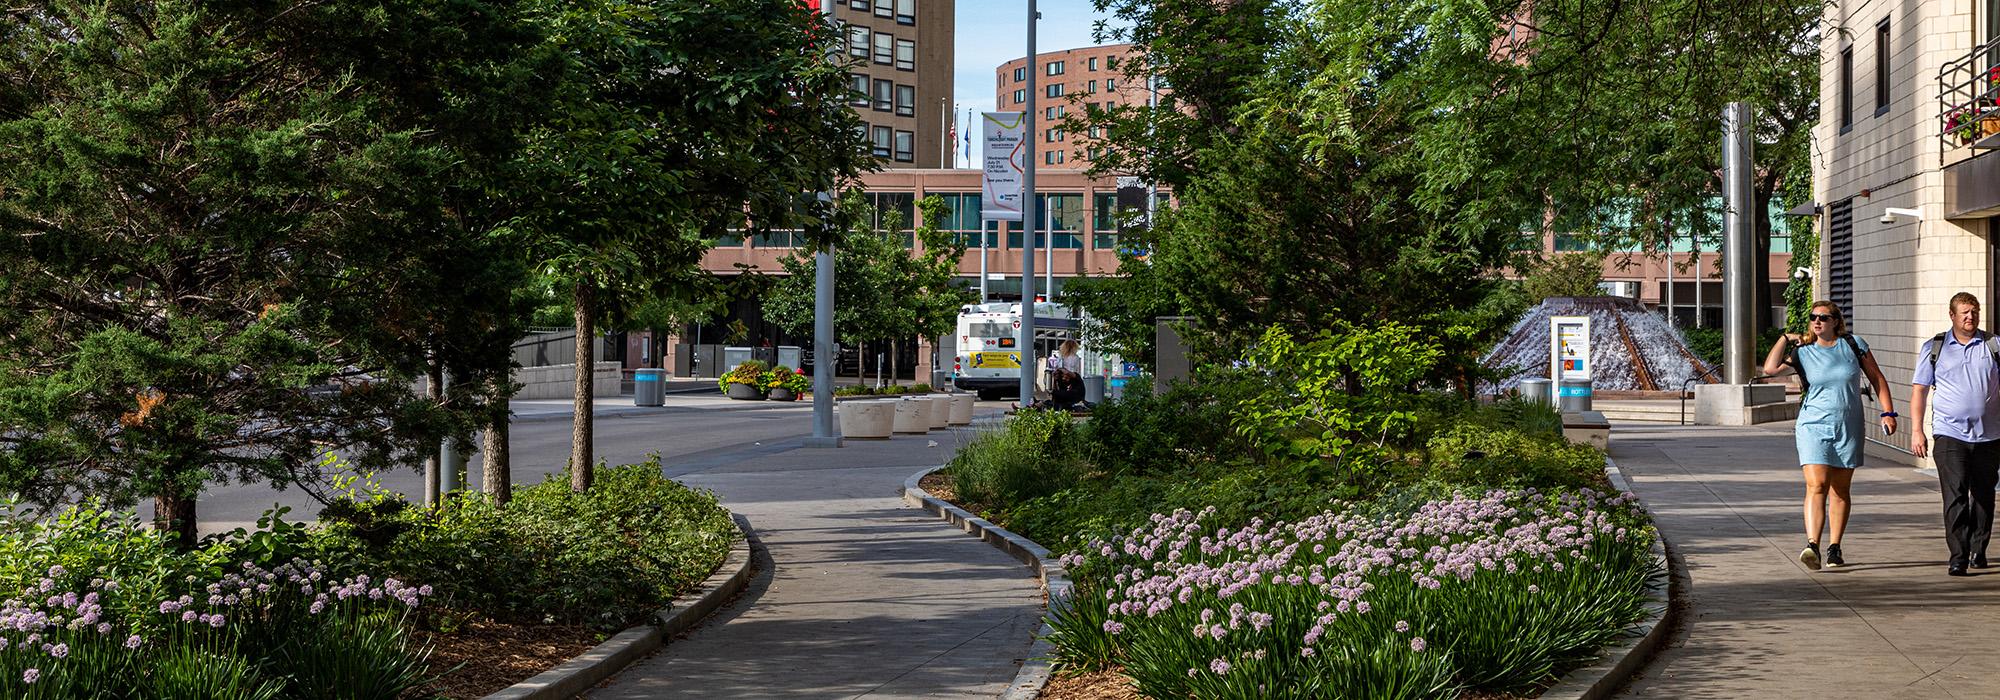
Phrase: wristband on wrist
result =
(1889, 414)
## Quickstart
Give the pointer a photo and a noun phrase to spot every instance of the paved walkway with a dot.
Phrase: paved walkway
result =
(1889, 625)
(860, 596)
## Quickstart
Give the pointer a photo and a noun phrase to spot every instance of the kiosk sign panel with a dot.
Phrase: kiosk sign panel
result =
(1569, 347)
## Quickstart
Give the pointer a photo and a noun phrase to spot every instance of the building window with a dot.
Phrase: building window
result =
(1840, 255)
(1093, 63)
(1021, 74)
(1048, 158)
(1110, 84)
(1882, 68)
(885, 8)
(1053, 90)
(1053, 135)
(1111, 63)
(1846, 104)
(906, 54)
(857, 41)
(883, 135)
(885, 95)
(1090, 87)
(906, 11)
(885, 48)
(906, 146)
(1055, 68)
(1020, 96)
(1096, 131)
(1055, 112)
(861, 5)
(906, 100)
(859, 83)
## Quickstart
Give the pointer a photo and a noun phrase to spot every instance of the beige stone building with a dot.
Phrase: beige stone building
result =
(1906, 123)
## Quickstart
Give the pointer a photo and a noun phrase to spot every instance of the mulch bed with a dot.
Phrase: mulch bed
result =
(1109, 684)
(487, 656)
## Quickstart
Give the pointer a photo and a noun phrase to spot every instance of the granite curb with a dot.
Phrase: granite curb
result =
(1035, 669)
(573, 677)
(1621, 660)
(1616, 664)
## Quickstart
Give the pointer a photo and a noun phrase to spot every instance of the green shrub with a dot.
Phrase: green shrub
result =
(1036, 454)
(1483, 456)
(606, 557)
(1144, 433)
(853, 390)
(750, 373)
(920, 388)
(795, 380)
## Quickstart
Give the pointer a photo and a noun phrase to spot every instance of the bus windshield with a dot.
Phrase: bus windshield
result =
(990, 330)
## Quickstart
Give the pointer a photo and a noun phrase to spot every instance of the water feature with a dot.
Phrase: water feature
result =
(1631, 349)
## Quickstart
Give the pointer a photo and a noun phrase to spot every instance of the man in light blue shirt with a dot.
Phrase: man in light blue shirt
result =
(1956, 375)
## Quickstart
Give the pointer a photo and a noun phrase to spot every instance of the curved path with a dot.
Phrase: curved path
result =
(857, 595)
(1759, 625)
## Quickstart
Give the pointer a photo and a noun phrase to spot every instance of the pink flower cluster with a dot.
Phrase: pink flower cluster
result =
(1183, 569)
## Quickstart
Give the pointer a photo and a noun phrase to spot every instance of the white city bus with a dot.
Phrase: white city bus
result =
(989, 359)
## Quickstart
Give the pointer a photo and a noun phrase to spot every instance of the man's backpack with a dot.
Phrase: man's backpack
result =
(1792, 358)
(1936, 345)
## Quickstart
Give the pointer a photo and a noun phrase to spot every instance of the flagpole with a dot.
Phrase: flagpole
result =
(944, 124)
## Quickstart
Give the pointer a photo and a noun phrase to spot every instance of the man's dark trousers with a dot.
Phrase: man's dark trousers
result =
(1966, 474)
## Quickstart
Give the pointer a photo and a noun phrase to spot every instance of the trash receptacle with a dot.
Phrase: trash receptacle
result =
(1093, 390)
(1536, 390)
(649, 387)
(1574, 394)
(940, 379)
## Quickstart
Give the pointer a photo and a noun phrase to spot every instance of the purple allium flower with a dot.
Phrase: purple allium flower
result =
(1417, 644)
(1402, 626)
(1220, 667)
(133, 642)
(1113, 627)
(31, 675)
(189, 616)
(215, 621)
(59, 651)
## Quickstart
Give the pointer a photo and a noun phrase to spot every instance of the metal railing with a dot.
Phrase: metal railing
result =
(1708, 374)
(1969, 101)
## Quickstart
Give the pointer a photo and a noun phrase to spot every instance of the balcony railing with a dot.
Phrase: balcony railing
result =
(1969, 102)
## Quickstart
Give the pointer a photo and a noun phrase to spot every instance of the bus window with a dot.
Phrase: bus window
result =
(990, 330)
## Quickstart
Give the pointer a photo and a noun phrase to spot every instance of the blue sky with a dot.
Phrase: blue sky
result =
(992, 32)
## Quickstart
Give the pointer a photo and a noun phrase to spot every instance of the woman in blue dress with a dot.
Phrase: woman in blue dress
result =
(1831, 419)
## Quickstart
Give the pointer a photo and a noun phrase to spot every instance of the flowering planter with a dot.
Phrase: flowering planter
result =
(961, 409)
(783, 394)
(913, 416)
(745, 392)
(867, 419)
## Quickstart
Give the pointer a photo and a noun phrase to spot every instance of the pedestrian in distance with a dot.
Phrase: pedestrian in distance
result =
(1829, 360)
(1955, 378)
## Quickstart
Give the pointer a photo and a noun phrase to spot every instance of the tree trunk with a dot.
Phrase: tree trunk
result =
(894, 346)
(433, 461)
(581, 461)
(174, 513)
(498, 476)
(1760, 246)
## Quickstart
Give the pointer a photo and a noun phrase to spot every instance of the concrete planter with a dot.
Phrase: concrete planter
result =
(783, 394)
(961, 409)
(913, 416)
(745, 392)
(867, 420)
(940, 414)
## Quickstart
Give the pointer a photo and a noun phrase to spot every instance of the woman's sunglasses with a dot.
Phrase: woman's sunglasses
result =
(1829, 318)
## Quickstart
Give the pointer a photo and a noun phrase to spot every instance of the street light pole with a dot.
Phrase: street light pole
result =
(1029, 213)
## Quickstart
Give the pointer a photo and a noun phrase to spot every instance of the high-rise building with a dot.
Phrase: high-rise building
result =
(1067, 81)
(901, 52)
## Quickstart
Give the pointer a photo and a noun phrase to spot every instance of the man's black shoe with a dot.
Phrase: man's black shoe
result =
(1979, 561)
(1957, 569)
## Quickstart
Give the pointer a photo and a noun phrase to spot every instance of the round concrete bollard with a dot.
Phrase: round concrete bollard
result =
(961, 409)
(913, 416)
(866, 420)
(940, 414)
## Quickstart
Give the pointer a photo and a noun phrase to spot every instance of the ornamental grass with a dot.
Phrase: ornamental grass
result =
(1500, 591)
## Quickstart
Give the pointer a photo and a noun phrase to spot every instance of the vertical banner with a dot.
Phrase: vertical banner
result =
(1005, 133)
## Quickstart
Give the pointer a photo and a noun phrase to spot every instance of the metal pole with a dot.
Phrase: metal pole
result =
(823, 359)
(450, 465)
(944, 134)
(1028, 214)
(982, 260)
(1700, 316)
(1738, 269)
(1670, 280)
(1049, 252)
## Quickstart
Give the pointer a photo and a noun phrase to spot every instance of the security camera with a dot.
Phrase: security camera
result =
(1887, 218)
(1889, 214)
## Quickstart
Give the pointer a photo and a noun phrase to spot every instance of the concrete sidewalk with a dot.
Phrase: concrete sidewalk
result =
(859, 595)
(1888, 625)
